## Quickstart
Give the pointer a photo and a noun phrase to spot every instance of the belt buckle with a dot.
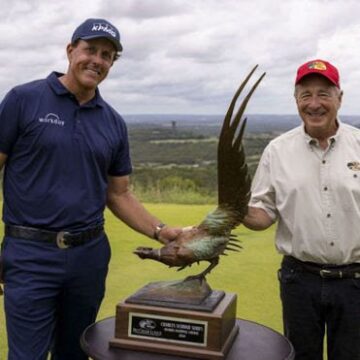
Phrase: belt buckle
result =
(60, 240)
(334, 274)
(324, 273)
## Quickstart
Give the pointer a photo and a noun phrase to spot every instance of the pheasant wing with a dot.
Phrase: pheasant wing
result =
(234, 181)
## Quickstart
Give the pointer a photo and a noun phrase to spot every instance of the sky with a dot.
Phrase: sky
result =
(189, 56)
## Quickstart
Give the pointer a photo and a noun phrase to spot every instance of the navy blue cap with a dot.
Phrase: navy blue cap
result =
(97, 28)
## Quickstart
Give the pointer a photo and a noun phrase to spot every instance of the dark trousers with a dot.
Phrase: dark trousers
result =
(51, 296)
(314, 306)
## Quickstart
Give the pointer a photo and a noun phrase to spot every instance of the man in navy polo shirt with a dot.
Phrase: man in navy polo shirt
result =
(66, 157)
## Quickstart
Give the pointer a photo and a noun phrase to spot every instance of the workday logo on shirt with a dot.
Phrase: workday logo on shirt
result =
(53, 119)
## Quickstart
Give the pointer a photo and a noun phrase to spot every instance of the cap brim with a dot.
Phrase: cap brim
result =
(117, 45)
(318, 73)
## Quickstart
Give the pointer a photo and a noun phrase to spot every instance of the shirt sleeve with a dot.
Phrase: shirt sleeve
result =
(9, 122)
(262, 191)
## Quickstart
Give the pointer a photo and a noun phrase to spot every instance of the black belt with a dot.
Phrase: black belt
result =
(326, 271)
(62, 239)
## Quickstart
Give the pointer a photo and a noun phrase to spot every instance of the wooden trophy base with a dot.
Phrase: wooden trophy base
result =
(177, 330)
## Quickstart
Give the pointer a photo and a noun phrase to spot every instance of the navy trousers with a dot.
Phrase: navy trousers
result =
(313, 307)
(51, 296)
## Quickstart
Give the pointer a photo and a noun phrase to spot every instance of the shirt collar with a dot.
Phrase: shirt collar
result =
(60, 89)
(332, 139)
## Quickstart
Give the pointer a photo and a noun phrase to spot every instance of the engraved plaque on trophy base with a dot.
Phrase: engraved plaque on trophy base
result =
(203, 334)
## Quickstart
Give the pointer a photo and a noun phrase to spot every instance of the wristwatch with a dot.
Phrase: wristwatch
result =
(158, 228)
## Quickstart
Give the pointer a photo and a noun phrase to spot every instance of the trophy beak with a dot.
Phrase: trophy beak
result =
(147, 253)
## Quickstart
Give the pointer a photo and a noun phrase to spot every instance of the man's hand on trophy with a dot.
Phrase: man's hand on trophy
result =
(165, 234)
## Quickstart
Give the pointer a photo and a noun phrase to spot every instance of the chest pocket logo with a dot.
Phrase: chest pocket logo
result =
(354, 165)
(52, 118)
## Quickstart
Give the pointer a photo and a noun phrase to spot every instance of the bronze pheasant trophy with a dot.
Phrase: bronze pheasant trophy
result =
(213, 236)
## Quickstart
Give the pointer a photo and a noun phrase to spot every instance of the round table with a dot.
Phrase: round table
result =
(254, 342)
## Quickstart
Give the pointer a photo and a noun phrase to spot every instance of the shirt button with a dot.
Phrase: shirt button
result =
(325, 188)
(324, 161)
(328, 215)
(332, 244)
(355, 175)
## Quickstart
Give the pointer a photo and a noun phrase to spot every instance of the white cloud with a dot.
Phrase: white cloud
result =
(185, 56)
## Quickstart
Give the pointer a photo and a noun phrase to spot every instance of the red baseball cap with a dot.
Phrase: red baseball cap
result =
(321, 67)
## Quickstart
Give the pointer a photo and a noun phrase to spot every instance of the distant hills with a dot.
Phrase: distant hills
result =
(256, 122)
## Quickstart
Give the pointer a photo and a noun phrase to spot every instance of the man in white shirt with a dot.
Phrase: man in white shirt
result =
(308, 180)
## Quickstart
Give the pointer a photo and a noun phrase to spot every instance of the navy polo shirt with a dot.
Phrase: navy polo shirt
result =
(60, 154)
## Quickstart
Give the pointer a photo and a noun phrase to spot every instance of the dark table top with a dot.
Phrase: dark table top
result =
(254, 342)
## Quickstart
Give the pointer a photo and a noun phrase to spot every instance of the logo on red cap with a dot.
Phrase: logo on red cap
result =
(321, 67)
(318, 65)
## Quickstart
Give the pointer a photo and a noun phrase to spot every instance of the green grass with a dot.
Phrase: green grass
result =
(251, 274)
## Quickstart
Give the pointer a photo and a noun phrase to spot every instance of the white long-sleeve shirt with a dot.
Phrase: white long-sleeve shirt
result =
(314, 194)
